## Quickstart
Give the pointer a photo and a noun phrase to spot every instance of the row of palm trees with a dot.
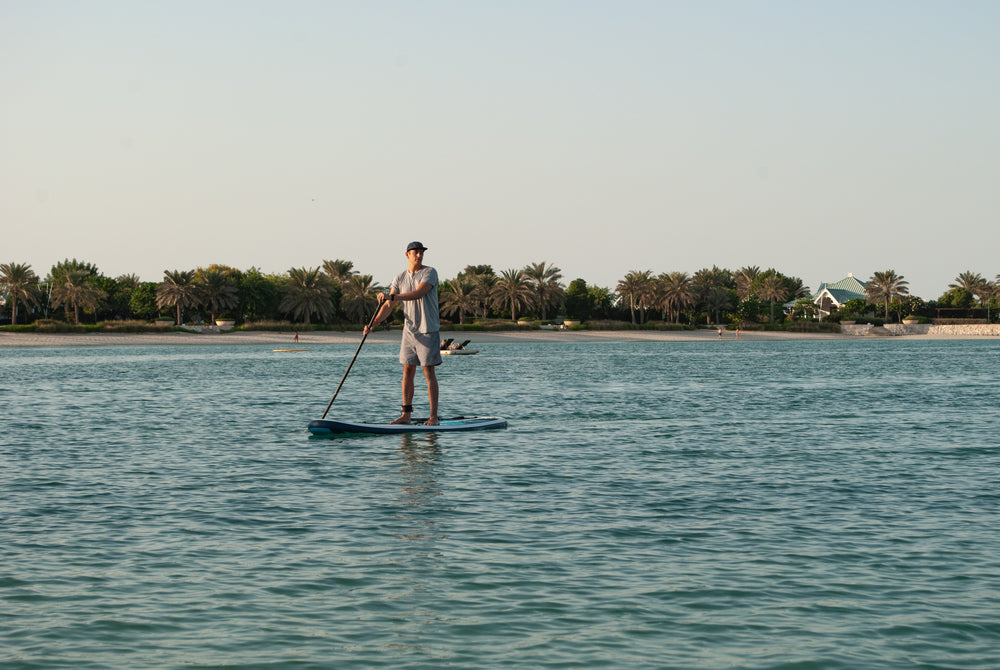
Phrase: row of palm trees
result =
(887, 287)
(984, 290)
(305, 291)
(19, 282)
(477, 290)
(327, 292)
(335, 290)
(714, 290)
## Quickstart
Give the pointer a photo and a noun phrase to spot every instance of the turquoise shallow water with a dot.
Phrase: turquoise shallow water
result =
(828, 504)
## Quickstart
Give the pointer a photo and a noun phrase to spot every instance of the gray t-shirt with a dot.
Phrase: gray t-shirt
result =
(421, 315)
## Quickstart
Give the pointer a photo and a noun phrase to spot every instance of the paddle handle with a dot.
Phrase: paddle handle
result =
(364, 337)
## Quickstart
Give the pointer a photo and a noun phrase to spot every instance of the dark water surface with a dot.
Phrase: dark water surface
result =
(829, 504)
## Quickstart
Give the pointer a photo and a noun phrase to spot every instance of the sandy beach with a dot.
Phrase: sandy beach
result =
(478, 338)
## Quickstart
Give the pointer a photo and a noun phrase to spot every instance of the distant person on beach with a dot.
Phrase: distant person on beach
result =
(296, 338)
(417, 289)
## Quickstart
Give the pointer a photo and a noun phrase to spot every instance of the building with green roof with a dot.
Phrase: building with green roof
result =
(831, 296)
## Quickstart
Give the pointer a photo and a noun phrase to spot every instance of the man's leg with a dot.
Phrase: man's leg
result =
(432, 393)
(409, 372)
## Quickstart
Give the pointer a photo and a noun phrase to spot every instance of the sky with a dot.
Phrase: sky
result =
(820, 138)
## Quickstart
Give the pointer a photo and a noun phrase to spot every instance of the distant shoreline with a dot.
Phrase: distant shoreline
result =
(354, 337)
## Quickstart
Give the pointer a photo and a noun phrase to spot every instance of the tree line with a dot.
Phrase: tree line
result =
(335, 292)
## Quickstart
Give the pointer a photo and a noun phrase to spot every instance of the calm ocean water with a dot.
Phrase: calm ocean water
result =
(815, 504)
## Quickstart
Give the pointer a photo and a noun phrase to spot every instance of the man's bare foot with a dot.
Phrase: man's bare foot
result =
(403, 419)
(433, 421)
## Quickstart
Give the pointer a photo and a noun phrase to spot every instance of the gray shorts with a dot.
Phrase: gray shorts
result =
(422, 349)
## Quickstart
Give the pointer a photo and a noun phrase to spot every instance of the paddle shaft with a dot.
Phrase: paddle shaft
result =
(344, 378)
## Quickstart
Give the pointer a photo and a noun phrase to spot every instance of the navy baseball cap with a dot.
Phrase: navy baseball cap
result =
(415, 245)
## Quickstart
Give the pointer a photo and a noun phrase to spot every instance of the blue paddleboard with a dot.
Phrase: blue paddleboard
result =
(328, 426)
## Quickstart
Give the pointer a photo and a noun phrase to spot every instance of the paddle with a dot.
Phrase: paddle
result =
(363, 338)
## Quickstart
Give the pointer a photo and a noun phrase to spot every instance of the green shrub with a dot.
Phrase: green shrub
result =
(813, 327)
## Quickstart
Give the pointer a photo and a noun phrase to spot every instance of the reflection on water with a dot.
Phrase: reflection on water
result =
(418, 466)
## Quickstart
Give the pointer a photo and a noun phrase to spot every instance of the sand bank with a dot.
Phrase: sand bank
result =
(333, 337)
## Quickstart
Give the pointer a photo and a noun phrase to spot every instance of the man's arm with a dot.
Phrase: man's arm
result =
(385, 308)
(423, 288)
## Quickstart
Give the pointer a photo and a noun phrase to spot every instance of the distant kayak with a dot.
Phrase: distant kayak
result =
(459, 352)
(458, 423)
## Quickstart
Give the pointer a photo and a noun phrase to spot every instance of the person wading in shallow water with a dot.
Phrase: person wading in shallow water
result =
(417, 289)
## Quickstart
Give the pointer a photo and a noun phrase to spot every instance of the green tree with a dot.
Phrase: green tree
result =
(705, 282)
(218, 290)
(178, 290)
(970, 281)
(360, 297)
(118, 303)
(958, 298)
(544, 280)
(58, 273)
(639, 288)
(749, 310)
(259, 295)
(678, 293)
(306, 292)
(717, 300)
(74, 289)
(512, 290)
(471, 270)
(886, 285)
(339, 271)
(113, 303)
(457, 297)
(772, 289)
(66, 266)
(142, 301)
(19, 282)
(745, 277)
(976, 284)
(483, 279)
(578, 304)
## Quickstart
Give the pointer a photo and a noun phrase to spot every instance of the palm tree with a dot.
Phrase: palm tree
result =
(512, 290)
(178, 290)
(799, 289)
(130, 282)
(218, 291)
(639, 287)
(678, 292)
(458, 297)
(705, 282)
(970, 281)
(483, 284)
(74, 289)
(306, 291)
(20, 282)
(974, 283)
(339, 272)
(717, 299)
(744, 278)
(885, 286)
(544, 279)
(992, 292)
(773, 288)
(359, 297)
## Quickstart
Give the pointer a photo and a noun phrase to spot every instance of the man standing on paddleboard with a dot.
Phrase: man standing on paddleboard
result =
(417, 289)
